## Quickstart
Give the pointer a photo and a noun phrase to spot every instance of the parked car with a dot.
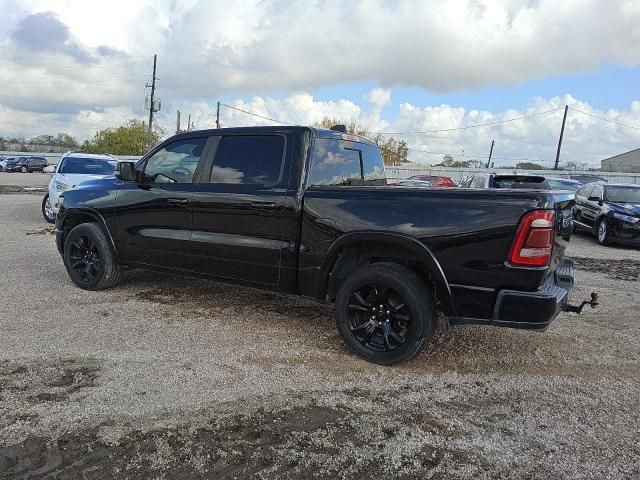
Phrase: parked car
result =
(306, 211)
(25, 164)
(585, 178)
(3, 163)
(564, 184)
(427, 181)
(508, 180)
(610, 211)
(73, 169)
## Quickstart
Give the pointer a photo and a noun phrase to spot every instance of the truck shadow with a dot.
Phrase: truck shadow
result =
(306, 332)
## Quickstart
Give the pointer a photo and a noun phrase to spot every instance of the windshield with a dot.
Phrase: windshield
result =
(87, 166)
(623, 194)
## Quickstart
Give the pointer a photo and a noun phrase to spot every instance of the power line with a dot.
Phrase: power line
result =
(605, 119)
(474, 126)
(256, 115)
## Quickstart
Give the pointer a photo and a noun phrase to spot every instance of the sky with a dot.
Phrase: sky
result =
(399, 67)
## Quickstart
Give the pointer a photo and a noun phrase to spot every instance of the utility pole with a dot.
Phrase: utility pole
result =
(153, 92)
(564, 120)
(177, 121)
(490, 153)
(218, 116)
(189, 123)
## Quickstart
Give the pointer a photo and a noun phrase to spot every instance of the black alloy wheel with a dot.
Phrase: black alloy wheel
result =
(89, 258)
(85, 258)
(385, 313)
(379, 317)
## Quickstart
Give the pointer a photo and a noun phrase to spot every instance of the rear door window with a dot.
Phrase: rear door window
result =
(338, 162)
(249, 159)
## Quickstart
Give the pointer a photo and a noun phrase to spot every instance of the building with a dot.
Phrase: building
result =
(625, 162)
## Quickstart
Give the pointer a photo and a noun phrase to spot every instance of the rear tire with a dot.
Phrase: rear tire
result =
(397, 331)
(89, 258)
(47, 210)
(24, 169)
(603, 234)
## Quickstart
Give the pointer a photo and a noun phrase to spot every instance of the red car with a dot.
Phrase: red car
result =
(427, 181)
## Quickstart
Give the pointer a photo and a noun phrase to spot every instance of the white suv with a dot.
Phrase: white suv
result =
(73, 169)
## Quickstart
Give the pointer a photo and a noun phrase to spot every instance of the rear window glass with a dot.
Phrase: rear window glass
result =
(528, 183)
(586, 190)
(338, 162)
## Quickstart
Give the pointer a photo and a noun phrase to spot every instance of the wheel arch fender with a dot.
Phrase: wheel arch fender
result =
(420, 253)
(76, 215)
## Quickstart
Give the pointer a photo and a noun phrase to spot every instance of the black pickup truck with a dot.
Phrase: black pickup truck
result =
(307, 211)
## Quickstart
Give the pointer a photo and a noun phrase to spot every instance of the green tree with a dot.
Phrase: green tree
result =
(449, 161)
(529, 166)
(130, 138)
(65, 140)
(394, 151)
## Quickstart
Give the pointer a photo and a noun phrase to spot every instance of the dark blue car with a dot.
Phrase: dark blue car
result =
(610, 211)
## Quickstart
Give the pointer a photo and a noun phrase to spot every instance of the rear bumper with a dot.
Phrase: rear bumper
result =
(536, 310)
(531, 310)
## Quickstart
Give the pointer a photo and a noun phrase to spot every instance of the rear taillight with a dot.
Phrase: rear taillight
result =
(533, 242)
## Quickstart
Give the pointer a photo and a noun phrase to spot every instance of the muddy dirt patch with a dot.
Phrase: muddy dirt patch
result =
(298, 442)
(26, 386)
(48, 230)
(617, 269)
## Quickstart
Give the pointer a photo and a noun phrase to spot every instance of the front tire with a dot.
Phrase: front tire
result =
(24, 169)
(603, 234)
(385, 313)
(89, 258)
(47, 210)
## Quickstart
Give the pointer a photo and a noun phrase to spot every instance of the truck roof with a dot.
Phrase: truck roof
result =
(319, 132)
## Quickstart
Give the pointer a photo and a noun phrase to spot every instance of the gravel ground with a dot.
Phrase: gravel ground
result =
(184, 378)
(33, 179)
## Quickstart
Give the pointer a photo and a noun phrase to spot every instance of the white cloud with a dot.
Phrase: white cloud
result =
(89, 70)
(586, 140)
(210, 47)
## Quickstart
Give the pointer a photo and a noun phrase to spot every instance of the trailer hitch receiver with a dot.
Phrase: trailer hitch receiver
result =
(578, 308)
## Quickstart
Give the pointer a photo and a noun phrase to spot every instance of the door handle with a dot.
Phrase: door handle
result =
(264, 205)
(180, 202)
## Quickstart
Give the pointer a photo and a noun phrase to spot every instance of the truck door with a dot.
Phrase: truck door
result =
(154, 214)
(239, 224)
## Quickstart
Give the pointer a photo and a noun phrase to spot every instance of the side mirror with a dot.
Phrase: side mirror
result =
(126, 171)
(594, 199)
